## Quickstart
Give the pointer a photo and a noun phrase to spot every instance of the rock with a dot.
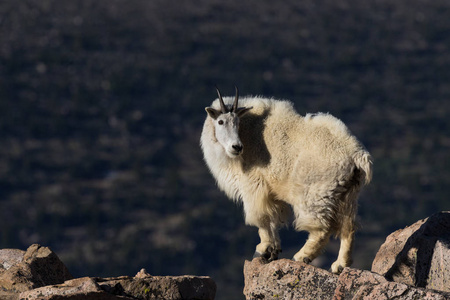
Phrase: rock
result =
(161, 287)
(150, 287)
(9, 258)
(439, 275)
(286, 279)
(80, 288)
(39, 274)
(37, 267)
(361, 284)
(142, 274)
(419, 254)
(353, 281)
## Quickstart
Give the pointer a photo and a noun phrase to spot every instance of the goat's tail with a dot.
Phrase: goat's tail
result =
(363, 162)
(362, 176)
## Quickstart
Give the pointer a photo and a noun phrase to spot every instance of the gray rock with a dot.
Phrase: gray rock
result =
(9, 258)
(148, 287)
(37, 267)
(39, 274)
(161, 287)
(80, 288)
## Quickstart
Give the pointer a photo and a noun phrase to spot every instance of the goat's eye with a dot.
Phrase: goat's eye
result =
(220, 122)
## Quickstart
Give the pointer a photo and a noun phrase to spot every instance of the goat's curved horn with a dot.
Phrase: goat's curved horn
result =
(235, 104)
(222, 105)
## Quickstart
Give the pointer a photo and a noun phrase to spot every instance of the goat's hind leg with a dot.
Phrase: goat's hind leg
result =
(345, 254)
(345, 250)
(316, 242)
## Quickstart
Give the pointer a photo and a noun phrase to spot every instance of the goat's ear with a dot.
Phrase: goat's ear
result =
(213, 113)
(243, 110)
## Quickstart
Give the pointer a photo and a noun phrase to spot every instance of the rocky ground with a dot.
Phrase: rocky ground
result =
(413, 263)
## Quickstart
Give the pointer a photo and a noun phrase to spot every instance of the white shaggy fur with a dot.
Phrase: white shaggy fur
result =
(312, 164)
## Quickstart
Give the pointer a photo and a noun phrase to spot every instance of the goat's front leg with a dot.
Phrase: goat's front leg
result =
(256, 213)
(270, 247)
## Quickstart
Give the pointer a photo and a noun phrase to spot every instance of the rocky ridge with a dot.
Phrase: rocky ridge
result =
(413, 263)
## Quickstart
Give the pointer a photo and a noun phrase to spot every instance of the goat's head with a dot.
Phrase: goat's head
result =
(226, 124)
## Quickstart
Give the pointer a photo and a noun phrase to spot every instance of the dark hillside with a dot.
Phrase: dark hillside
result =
(102, 103)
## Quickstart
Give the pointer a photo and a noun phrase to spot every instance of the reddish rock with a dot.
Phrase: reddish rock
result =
(439, 275)
(287, 279)
(353, 281)
(419, 254)
(360, 284)
(397, 291)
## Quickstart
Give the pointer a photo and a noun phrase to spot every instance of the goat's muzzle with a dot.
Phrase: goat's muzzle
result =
(237, 149)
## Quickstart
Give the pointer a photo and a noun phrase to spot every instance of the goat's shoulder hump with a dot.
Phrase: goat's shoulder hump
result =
(329, 121)
(264, 104)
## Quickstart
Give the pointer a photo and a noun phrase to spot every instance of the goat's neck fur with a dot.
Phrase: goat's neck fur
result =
(220, 164)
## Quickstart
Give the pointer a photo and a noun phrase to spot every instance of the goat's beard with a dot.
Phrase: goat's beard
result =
(233, 154)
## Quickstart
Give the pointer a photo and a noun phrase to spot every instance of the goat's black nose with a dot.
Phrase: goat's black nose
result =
(238, 148)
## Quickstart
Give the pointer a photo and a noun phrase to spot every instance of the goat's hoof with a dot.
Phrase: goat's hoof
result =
(337, 270)
(274, 255)
(266, 255)
(307, 260)
(270, 254)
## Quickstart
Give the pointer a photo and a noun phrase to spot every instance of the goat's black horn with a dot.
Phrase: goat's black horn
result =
(235, 104)
(222, 105)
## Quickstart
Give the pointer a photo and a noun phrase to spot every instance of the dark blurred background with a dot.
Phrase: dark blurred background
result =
(102, 105)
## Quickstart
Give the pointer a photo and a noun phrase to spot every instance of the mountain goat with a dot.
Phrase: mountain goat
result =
(269, 157)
